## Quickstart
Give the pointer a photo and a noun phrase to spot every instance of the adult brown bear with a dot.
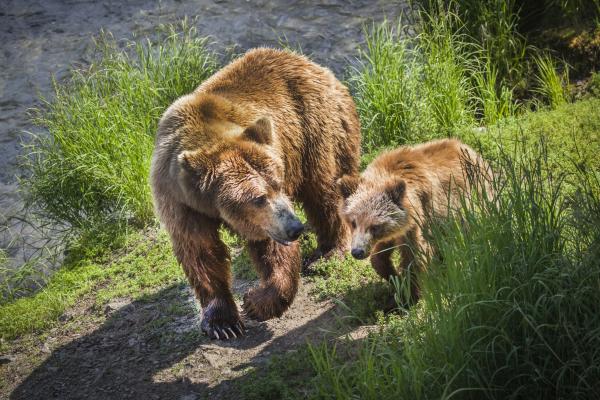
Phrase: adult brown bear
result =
(269, 127)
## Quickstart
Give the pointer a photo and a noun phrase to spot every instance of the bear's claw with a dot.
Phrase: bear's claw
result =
(225, 331)
(220, 320)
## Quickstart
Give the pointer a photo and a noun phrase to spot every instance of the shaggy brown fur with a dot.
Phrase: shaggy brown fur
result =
(389, 204)
(268, 127)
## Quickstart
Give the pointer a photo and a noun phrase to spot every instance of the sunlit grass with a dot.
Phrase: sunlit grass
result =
(551, 86)
(91, 171)
(508, 309)
(143, 265)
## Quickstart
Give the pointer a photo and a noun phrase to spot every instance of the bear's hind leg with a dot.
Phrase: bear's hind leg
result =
(279, 269)
(333, 236)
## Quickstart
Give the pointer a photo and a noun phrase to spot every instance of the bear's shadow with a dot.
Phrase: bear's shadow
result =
(124, 356)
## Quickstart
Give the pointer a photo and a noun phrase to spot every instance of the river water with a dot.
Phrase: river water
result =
(43, 39)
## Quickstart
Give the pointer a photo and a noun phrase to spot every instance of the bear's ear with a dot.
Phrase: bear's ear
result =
(347, 184)
(196, 162)
(260, 131)
(396, 191)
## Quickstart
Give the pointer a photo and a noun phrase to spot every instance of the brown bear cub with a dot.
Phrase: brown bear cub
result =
(388, 205)
(269, 128)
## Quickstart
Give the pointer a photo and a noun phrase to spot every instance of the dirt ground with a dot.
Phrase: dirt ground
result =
(152, 349)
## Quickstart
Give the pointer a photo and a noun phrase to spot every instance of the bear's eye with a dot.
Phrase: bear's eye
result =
(259, 201)
(377, 230)
(353, 223)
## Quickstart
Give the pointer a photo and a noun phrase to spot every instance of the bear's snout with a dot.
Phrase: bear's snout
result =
(358, 253)
(294, 229)
(286, 226)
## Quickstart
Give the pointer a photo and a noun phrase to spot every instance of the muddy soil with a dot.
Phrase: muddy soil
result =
(152, 349)
(42, 39)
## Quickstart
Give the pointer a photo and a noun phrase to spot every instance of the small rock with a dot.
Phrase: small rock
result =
(116, 304)
(215, 360)
(65, 318)
(45, 348)
(7, 359)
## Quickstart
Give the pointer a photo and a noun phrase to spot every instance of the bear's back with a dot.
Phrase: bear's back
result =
(265, 74)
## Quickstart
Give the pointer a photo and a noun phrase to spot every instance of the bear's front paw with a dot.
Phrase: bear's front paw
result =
(221, 321)
(264, 303)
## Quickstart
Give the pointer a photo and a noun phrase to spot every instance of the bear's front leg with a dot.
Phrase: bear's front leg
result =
(206, 263)
(381, 258)
(415, 252)
(279, 269)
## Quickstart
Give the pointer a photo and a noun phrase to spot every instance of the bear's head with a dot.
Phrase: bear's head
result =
(374, 210)
(242, 179)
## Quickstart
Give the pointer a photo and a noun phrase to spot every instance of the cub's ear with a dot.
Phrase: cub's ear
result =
(396, 191)
(261, 131)
(196, 162)
(347, 184)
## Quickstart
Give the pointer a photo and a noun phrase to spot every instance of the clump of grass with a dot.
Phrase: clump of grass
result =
(413, 89)
(21, 281)
(387, 92)
(508, 310)
(570, 133)
(449, 58)
(354, 285)
(551, 85)
(91, 170)
(493, 25)
(594, 84)
(496, 101)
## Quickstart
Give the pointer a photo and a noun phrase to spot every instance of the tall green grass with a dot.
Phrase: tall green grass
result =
(91, 170)
(411, 89)
(551, 85)
(509, 308)
(493, 24)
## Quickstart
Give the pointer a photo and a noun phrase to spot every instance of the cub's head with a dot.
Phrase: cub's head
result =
(374, 210)
(242, 179)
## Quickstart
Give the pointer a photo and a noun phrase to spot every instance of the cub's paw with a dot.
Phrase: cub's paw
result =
(264, 303)
(221, 321)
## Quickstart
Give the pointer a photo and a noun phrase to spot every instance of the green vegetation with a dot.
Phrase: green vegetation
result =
(284, 377)
(142, 265)
(354, 285)
(571, 134)
(551, 85)
(509, 307)
(413, 89)
(92, 171)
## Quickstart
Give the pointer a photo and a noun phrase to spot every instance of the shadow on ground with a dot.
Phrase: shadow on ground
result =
(152, 349)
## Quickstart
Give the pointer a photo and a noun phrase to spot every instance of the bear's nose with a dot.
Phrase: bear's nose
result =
(294, 230)
(359, 254)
